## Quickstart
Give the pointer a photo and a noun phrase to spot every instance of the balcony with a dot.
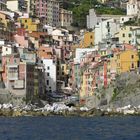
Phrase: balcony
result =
(13, 72)
(13, 76)
(19, 84)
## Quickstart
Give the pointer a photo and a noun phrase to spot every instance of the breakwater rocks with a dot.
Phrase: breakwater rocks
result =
(9, 110)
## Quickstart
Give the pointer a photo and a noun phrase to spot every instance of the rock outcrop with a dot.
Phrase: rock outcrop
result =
(122, 92)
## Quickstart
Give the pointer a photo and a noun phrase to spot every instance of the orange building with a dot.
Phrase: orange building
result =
(88, 40)
(45, 52)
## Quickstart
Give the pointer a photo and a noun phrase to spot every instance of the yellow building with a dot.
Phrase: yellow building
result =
(64, 68)
(88, 40)
(7, 26)
(125, 34)
(127, 61)
(62, 72)
(103, 52)
(87, 84)
(30, 25)
(83, 87)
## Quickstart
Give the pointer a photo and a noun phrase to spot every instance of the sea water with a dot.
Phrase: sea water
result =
(70, 128)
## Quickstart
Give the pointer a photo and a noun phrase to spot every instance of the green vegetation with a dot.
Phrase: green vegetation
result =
(115, 93)
(81, 8)
(110, 11)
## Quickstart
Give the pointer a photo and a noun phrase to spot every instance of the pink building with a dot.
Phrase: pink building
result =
(21, 38)
(41, 8)
(22, 78)
(48, 11)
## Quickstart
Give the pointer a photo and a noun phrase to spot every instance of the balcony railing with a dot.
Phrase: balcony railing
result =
(13, 76)
(19, 84)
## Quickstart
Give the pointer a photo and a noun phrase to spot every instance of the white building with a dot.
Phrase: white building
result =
(50, 74)
(92, 19)
(7, 50)
(133, 7)
(13, 5)
(48, 29)
(135, 37)
(1, 42)
(106, 29)
(124, 19)
(80, 52)
(62, 36)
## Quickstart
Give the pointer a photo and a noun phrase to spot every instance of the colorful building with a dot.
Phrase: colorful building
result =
(127, 61)
(3, 5)
(30, 24)
(7, 26)
(53, 13)
(13, 5)
(87, 41)
(125, 34)
(66, 18)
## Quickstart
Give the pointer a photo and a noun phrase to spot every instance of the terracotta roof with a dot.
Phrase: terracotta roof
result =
(37, 34)
(129, 47)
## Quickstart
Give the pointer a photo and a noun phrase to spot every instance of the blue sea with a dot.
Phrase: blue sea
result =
(70, 128)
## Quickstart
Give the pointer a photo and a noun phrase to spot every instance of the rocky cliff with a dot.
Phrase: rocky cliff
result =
(122, 92)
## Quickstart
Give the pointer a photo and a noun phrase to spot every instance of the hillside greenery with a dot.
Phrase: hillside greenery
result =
(81, 8)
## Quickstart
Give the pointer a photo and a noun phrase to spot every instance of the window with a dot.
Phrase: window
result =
(123, 35)
(62, 67)
(48, 67)
(47, 82)
(25, 21)
(48, 74)
(91, 43)
(108, 30)
(91, 37)
(129, 35)
(132, 65)
(118, 56)
(118, 64)
(132, 56)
